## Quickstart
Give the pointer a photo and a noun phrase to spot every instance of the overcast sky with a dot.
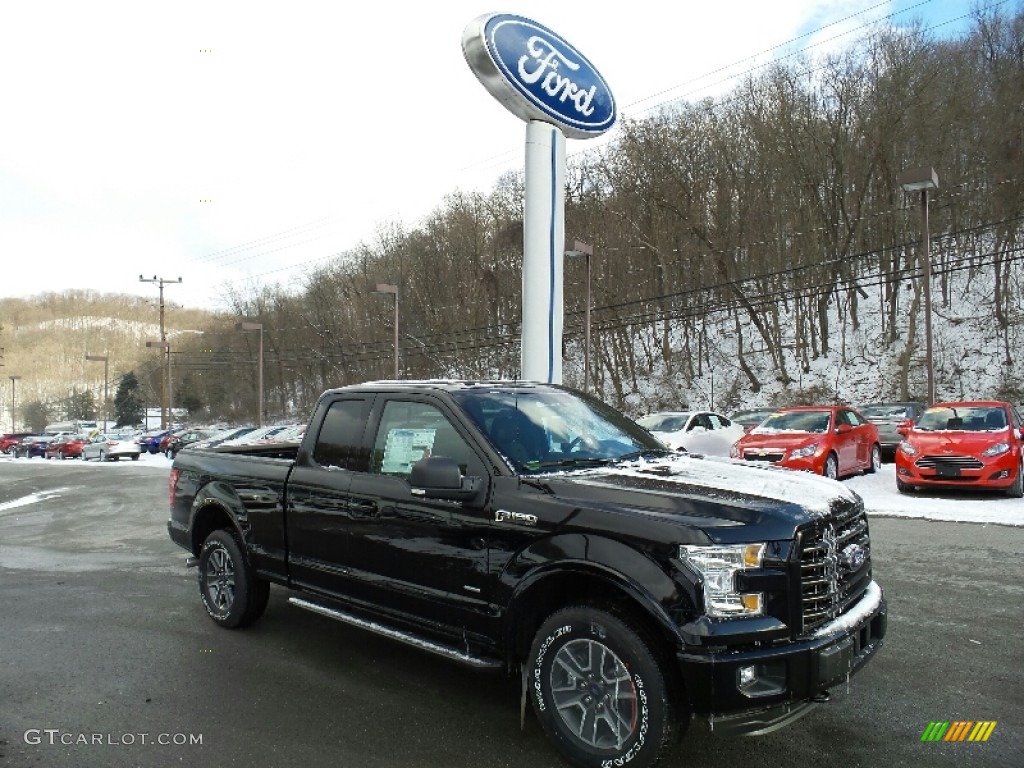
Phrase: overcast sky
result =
(237, 143)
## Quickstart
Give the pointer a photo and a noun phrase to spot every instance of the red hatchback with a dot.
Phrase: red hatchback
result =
(829, 440)
(962, 445)
(66, 447)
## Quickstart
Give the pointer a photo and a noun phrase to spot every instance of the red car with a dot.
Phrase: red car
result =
(66, 447)
(829, 440)
(10, 439)
(962, 445)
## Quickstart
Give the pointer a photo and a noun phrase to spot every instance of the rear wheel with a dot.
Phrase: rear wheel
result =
(875, 463)
(232, 594)
(599, 691)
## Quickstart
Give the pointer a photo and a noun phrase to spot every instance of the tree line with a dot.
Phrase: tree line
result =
(761, 229)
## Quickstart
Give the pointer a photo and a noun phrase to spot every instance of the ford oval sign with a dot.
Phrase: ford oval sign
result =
(538, 75)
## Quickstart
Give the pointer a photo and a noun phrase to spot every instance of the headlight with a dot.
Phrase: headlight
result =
(807, 450)
(996, 450)
(908, 449)
(718, 565)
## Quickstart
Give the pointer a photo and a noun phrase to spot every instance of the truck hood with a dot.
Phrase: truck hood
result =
(722, 497)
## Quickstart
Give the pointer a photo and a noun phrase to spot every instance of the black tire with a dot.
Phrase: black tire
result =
(103, 456)
(875, 463)
(831, 468)
(599, 691)
(232, 594)
(135, 457)
(1016, 491)
(903, 487)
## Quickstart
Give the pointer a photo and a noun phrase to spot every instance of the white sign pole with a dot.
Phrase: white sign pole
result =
(543, 251)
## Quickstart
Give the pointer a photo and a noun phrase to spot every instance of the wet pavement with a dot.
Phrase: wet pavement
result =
(107, 657)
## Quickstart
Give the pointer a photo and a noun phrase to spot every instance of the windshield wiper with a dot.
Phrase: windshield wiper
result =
(578, 462)
(647, 452)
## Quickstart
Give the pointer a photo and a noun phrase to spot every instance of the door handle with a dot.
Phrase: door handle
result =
(363, 509)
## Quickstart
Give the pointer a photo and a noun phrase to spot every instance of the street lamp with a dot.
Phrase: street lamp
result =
(387, 288)
(247, 326)
(14, 427)
(586, 251)
(913, 180)
(105, 360)
(165, 407)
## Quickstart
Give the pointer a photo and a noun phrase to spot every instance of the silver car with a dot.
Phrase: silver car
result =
(887, 417)
(111, 447)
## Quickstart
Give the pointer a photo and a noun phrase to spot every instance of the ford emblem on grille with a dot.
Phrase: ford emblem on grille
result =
(853, 556)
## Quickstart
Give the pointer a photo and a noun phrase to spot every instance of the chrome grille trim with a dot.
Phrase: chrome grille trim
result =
(959, 462)
(829, 579)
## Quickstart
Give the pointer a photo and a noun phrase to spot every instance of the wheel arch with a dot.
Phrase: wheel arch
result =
(215, 509)
(625, 582)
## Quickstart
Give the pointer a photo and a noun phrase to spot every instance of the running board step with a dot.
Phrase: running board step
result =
(447, 651)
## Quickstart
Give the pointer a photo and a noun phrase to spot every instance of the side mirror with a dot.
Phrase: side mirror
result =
(905, 426)
(842, 429)
(439, 477)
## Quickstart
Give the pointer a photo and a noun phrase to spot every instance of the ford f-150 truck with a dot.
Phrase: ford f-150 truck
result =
(533, 529)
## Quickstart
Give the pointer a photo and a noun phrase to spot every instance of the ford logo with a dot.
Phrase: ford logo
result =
(853, 557)
(538, 75)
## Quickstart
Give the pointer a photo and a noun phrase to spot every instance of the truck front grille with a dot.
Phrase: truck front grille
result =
(835, 564)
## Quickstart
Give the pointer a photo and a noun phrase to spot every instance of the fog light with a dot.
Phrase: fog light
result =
(746, 676)
(757, 680)
(902, 471)
(1000, 475)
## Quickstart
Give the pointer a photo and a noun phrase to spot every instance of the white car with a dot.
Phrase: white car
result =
(111, 447)
(703, 432)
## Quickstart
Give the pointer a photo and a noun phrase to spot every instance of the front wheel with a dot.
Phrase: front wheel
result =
(232, 594)
(599, 691)
(831, 469)
(1016, 490)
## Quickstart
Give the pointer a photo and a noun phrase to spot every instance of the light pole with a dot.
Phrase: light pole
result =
(586, 251)
(14, 427)
(912, 180)
(247, 326)
(387, 288)
(105, 359)
(166, 372)
(165, 406)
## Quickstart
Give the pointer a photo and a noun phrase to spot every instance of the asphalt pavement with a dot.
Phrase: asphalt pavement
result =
(107, 658)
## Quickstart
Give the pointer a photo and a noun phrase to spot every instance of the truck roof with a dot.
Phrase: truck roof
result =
(447, 385)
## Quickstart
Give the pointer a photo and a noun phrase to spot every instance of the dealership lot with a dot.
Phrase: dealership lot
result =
(109, 658)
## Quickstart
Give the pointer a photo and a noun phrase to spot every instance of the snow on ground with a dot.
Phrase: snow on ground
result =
(881, 498)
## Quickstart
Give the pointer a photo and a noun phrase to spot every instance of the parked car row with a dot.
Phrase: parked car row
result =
(952, 445)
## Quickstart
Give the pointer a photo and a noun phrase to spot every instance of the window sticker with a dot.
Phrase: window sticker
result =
(404, 447)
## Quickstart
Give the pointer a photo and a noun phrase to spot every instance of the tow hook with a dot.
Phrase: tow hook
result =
(822, 698)
(191, 562)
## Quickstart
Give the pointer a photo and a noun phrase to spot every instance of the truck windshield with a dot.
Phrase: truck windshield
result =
(550, 430)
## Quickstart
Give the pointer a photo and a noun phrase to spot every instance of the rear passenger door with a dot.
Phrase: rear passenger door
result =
(406, 552)
(318, 512)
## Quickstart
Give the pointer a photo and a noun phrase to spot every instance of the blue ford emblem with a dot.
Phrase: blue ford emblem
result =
(853, 556)
(538, 75)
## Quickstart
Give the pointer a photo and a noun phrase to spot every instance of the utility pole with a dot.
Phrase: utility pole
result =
(165, 372)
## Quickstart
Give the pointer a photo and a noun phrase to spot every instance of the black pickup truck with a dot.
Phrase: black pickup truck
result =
(533, 529)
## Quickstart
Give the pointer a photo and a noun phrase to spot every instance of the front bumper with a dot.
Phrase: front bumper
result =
(996, 473)
(797, 671)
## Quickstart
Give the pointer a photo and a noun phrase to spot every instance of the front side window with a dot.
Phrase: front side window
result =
(410, 431)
